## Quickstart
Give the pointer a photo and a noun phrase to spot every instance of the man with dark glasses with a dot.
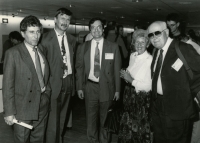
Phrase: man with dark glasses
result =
(172, 90)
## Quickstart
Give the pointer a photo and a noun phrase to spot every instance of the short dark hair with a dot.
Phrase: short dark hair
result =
(63, 11)
(95, 19)
(173, 17)
(30, 21)
(16, 35)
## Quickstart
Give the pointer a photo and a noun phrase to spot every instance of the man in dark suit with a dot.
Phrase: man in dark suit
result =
(172, 90)
(98, 63)
(26, 93)
(58, 48)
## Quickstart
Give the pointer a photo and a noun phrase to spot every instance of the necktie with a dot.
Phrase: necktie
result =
(97, 62)
(64, 58)
(38, 68)
(156, 74)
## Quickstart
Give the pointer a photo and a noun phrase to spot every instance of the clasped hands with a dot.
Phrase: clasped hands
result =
(126, 76)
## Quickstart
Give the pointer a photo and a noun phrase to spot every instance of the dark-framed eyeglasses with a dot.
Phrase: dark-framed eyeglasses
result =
(156, 33)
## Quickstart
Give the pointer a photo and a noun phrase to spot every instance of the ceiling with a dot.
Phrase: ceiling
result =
(124, 12)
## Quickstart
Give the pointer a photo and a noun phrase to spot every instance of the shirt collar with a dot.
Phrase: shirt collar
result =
(28, 46)
(142, 56)
(100, 41)
(166, 47)
(58, 33)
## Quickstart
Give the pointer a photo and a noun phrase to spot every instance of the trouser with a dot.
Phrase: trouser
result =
(36, 135)
(58, 112)
(167, 130)
(96, 113)
(196, 132)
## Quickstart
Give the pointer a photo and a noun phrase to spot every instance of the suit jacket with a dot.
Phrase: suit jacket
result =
(21, 88)
(178, 89)
(52, 52)
(109, 80)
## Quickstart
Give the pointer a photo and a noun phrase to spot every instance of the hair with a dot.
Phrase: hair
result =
(16, 35)
(173, 17)
(192, 35)
(140, 33)
(95, 19)
(162, 24)
(30, 21)
(63, 11)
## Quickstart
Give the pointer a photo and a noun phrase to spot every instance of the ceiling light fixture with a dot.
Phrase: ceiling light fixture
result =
(5, 20)
(136, 0)
(71, 6)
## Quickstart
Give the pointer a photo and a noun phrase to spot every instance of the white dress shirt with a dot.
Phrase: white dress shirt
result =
(165, 49)
(140, 69)
(69, 68)
(92, 56)
(32, 54)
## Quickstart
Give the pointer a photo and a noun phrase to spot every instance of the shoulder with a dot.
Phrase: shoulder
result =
(110, 43)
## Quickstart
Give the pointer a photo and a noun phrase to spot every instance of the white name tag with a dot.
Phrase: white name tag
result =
(109, 56)
(177, 65)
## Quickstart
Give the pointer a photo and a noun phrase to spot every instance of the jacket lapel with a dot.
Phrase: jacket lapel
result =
(87, 57)
(170, 52)
(46, 68)
(153, 62)
(106, 49)
(71, 52)
(26, 57)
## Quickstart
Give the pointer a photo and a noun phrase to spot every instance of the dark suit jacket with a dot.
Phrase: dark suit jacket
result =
(52, 51)
(178, 89)
(21, 88)
(109, 81)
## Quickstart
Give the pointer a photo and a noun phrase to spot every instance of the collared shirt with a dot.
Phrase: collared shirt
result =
(165, 49)
(92, 55)
(140, 70)
(69, 71)
(32, 54)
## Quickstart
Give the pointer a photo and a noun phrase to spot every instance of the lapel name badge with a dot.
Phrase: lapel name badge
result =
(109, 56)
(177, 65)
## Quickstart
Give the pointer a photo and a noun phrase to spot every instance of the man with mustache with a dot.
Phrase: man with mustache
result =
(58, 48)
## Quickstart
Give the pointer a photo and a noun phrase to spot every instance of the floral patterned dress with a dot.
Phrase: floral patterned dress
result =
(135, 124)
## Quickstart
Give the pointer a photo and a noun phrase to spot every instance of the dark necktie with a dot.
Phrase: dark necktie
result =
(64, 55)
(97, 62)
(38, 68)
(156, 74)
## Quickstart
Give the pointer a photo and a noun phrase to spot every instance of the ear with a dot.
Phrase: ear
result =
(55, 20)
(22, 34)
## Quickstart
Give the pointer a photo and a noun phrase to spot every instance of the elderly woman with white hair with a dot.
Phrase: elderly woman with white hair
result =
(135, 122)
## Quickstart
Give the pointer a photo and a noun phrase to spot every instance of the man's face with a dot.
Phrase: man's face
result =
(32, 35)
(173, 26)
(96, 30)
(62, 22)
(158, 40)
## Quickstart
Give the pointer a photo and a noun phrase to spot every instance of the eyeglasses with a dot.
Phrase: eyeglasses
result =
(99, 27)
(156, 33)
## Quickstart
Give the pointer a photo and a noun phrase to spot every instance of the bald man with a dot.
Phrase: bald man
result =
(172, 90)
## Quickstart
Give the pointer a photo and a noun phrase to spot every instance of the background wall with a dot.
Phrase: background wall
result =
(14, 22)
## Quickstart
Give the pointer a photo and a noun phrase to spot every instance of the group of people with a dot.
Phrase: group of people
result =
(41, 76)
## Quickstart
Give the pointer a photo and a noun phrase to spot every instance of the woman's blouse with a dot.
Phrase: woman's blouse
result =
(140, 70)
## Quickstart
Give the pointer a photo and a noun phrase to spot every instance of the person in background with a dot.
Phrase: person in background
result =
(98, 63)
(14, 38)
(26, 92)
(59, 49)
(191, 33)
(173, 22)
(172, 105)
(187, 39)
(113, 37)
(135, 121)
(120, 32)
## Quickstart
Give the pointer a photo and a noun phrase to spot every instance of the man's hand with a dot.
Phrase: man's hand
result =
(9, 119)
(116, 97)
(80, 94)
